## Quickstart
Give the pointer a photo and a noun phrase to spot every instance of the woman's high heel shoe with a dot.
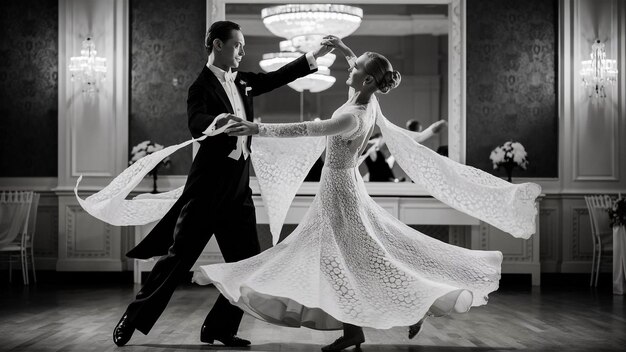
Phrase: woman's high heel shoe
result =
(343, 343)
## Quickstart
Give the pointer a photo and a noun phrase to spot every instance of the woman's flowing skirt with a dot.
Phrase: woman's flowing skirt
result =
(351, 261)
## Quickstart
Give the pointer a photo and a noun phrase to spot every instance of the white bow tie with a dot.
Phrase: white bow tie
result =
(230, 76)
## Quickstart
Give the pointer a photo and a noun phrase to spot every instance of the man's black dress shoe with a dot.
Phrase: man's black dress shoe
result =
(227, 340)
(230, 341)
(123, 331)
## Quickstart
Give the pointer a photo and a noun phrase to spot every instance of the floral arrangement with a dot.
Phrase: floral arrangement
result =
(146, 148)
(617, 214)
(508, 156)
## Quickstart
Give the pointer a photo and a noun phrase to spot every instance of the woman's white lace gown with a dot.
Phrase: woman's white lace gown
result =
(348, 260)
(351, 261)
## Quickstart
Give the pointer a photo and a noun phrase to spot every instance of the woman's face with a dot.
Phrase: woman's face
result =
(357, 75)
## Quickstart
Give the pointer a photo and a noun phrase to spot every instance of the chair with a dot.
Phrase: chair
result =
(18, 219)
(600, 231)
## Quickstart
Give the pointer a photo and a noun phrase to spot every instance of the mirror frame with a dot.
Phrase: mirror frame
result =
(216, 11)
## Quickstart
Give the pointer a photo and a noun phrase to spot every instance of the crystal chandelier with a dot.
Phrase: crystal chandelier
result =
(315, 82)
(88, 68)
(303, 26)
(599, 71)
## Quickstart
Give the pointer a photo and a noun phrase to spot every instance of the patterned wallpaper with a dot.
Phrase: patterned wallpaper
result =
(29, 59)
(167, 54)
(511, 82)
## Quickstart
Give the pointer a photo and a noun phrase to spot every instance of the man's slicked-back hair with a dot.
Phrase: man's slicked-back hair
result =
(219, 30)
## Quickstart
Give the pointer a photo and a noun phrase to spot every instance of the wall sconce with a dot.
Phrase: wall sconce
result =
(88, 68)
(598, 72)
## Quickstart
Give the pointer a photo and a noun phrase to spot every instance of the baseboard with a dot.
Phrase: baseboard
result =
(72, 277)
(575, 280)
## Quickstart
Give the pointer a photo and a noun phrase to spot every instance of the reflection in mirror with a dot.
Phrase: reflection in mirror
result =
(413, 37)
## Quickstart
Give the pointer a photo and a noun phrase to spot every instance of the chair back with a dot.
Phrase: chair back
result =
(14, 213)
(30, 226)
(598, 206)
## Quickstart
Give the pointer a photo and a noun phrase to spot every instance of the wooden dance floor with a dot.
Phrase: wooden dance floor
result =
(81, 317)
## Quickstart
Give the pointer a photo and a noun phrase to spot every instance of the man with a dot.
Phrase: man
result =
(217, 198)
(384, 169)
(377, 166)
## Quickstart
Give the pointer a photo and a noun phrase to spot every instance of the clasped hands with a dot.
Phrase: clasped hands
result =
(239, 126)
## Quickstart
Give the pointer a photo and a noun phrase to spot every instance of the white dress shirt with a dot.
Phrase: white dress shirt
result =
(227, 79)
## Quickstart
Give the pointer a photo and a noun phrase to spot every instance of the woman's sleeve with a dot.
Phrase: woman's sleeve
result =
(337, 125)
(509, 207)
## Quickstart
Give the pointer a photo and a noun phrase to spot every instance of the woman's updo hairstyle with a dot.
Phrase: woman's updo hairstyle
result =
(380, 68)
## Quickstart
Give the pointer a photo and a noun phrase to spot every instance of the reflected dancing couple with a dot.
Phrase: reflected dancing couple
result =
(349, 263)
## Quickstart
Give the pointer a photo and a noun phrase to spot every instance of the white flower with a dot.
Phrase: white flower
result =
(497, 156)
(508, 151)
(139, 155)
(146, 148)
(518, 147)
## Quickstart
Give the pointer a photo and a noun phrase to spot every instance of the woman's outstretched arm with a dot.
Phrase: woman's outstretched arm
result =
(337, 125)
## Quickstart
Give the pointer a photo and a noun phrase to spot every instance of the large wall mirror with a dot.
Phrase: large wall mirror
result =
(422, 39)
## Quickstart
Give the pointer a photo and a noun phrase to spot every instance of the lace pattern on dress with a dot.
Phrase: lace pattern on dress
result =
(349, 260)
(280, 166)
(283, 129)
(339, 123)
(110, 204)
(509, 207)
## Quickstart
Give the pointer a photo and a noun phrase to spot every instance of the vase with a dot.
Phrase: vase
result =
(154, 179)
(508, 167)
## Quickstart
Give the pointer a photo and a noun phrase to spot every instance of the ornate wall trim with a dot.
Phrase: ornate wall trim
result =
(592, 137)
(576, 233)
(548, 250)
(93, 129)
(72, 238)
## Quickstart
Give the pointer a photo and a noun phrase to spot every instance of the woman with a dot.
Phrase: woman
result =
(350, 263)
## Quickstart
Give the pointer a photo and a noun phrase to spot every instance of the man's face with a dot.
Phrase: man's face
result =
(231, 52)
